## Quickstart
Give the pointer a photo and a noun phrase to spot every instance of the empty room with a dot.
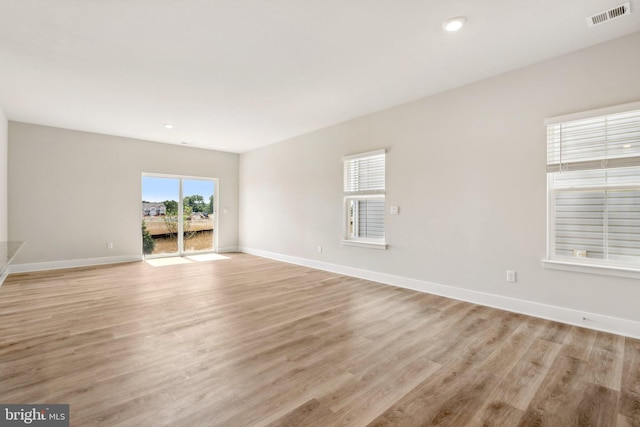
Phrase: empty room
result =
(319, 213)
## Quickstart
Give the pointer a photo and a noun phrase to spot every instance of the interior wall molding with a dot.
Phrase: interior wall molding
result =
(87, 262)
(227, 249)
(598, 322)
(74, 263)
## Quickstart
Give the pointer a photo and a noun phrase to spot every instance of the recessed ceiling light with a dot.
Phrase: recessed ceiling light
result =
(454, 24)
(169, 125)
(626, 146)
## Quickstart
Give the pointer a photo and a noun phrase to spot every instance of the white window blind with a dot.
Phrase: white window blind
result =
(593, 168)
(364, 174)
(364, 192)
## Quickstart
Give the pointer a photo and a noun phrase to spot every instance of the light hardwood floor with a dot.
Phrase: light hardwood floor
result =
(250, 341)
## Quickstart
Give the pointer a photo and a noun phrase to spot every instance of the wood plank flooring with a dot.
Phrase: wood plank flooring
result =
(253, 342)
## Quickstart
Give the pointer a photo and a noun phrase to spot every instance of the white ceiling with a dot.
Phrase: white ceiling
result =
(235, 75)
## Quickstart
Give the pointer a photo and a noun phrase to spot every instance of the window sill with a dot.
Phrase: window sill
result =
(579, 267)
(361, 244)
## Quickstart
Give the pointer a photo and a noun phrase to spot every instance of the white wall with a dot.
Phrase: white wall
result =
(4, 162)
(71, 192)
(466, 167)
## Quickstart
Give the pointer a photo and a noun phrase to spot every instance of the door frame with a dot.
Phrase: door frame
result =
(180, 235)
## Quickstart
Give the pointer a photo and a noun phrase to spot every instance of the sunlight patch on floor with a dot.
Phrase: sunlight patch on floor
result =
(175, 260)
(207, 257)
(161, 262)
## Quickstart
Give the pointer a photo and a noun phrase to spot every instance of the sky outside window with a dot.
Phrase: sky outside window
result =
(156, 189)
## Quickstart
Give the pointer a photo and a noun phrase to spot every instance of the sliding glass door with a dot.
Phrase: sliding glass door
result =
(178, 215)
(160, 215)
(198, 205)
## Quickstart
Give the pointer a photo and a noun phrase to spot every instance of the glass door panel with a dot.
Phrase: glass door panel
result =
(198, 207)
(160, 225)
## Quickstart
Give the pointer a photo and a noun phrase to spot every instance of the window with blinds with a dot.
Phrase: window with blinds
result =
(593, 174)
(364, 194)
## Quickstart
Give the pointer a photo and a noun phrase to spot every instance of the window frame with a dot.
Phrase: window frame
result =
(348, 196)
(574, 263)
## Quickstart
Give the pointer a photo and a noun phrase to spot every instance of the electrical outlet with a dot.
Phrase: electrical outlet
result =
(511, 276)
(109, 245)
(319, 249)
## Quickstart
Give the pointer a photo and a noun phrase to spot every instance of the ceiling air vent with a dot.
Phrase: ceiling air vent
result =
(608, 15)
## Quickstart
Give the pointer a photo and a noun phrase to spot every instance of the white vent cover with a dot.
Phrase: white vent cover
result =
(608, 15)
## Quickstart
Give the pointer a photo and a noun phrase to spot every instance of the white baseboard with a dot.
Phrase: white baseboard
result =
(74, 263)
(227, 249)
(594, 321)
